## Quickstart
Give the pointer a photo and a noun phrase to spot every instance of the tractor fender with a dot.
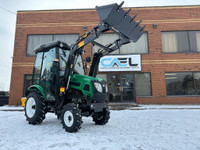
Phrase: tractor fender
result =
(35, 88)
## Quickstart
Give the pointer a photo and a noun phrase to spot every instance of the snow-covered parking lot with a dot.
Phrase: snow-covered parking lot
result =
(159, 129)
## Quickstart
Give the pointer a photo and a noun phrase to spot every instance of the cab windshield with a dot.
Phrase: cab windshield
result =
(64, 54)
(78, 68)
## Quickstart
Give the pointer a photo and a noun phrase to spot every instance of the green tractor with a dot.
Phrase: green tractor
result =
(60, 84)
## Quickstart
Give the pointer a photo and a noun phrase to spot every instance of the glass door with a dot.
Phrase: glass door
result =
(114, 87)
(127, 87)
(120, 88)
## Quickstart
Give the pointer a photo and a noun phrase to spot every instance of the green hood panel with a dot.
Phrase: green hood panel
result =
(79, 77)
(80, 82)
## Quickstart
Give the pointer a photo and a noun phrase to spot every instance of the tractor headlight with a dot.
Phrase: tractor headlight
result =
(106, 88)
(98, 87)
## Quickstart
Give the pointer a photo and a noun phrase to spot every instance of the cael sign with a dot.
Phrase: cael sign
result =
(120, 63)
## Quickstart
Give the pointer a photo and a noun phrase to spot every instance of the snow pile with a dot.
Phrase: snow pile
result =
(126, 130)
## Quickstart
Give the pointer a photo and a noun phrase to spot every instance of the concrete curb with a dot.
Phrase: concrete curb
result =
(162, 108)
(134, 106)
(12, 110)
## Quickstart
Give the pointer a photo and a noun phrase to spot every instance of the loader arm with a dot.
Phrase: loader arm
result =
(112, 17)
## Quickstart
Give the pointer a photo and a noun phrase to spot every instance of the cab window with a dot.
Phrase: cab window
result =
(79, 68)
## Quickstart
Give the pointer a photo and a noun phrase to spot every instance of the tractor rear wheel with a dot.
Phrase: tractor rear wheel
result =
(101, 118)
(35, 109)
(71, 118)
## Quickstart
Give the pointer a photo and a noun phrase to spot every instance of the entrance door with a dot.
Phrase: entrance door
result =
(120, 88)
(127, 87)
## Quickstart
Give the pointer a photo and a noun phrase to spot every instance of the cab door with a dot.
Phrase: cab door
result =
(49, 74)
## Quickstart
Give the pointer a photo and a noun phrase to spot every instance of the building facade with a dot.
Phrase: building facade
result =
(169, 52)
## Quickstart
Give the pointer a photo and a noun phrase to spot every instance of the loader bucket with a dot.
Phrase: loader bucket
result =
(114, 16)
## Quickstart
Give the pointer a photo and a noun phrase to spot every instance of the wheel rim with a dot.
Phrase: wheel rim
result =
(99, 116)
(68, 119)
(30, 107)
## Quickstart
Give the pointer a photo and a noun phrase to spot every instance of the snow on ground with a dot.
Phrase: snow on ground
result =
(158, 129)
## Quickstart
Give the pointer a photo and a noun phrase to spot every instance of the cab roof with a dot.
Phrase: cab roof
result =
(45, 47)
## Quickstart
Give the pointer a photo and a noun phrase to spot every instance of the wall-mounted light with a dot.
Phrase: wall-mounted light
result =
(84, 28)
(154, 25)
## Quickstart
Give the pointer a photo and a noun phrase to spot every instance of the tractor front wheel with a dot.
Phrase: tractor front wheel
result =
(101, 118)
(71, 118)
(35, 109)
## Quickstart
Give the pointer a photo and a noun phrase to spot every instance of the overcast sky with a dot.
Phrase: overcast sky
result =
(9, 8)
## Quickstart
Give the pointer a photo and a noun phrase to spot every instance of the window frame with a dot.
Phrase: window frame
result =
(187, 52)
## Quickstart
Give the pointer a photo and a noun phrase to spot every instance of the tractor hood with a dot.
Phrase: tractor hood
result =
(84, 78)
(85, 84)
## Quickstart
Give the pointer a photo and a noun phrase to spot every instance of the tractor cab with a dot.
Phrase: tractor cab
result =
(50, 65)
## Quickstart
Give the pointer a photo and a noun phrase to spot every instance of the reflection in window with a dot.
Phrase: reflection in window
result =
(184, 83)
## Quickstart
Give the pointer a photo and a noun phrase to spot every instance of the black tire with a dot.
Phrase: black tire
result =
(71, 118)
(101, 118)
(35, 109)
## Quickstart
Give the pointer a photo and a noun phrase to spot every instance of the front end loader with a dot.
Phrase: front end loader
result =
(60, 84)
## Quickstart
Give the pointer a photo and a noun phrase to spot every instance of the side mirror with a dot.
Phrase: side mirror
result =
(88, 59)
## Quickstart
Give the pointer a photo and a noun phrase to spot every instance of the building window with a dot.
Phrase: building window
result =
(27, 82)
(138, 82)
(33, 41)
(140, 47)
(143, 84)
(183, 83)
(181, 41)
(105, 39)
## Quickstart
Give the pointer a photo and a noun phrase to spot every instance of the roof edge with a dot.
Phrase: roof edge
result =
(92, 9)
